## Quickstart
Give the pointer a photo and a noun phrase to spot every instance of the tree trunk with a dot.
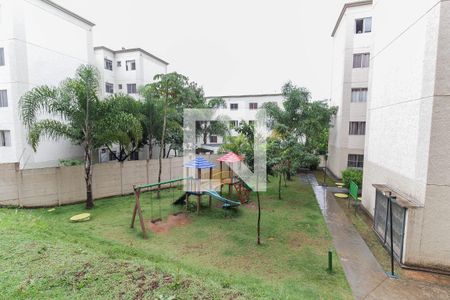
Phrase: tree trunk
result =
(88, 176)
(288, 173)
(279, 186)
(258, 227)
(162, 144)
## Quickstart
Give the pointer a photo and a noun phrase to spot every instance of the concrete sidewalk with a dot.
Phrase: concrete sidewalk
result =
(365, 275)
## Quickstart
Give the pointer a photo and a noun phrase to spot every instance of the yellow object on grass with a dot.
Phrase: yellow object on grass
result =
(51, 209)
(339, 184)
(81, 217)
(341, 195)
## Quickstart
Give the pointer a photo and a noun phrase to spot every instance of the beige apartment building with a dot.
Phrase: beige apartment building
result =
(352, 38)
(406, 104)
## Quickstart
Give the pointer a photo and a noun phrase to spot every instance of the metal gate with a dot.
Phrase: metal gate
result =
(382, 225)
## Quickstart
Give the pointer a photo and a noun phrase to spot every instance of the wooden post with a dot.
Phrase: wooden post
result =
(221, 176)
(210, 178)
(136, 195)
(137, 208)
(198, 188)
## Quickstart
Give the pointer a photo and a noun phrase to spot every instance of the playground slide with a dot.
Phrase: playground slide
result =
(214, 194)
(226, 201)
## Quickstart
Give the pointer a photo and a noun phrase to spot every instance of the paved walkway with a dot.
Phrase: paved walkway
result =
(365, 275)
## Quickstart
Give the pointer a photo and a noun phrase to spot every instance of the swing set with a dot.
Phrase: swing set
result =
(147, 190)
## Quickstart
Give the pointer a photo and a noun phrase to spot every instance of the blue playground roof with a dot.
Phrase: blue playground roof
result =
(200, 163)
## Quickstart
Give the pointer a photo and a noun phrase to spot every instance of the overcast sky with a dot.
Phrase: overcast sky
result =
(229, 47)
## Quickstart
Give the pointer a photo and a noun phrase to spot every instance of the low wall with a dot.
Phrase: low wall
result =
(66, 185)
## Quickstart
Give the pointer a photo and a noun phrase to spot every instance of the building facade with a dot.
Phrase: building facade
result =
(31, 54)
(408, 133)
(352, 38)
(125, 70)
(236, 106)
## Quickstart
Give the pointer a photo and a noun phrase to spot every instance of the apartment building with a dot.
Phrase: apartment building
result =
(239, 108)
(32, 54)
(125, 70)
(352, 38)
(408, 134)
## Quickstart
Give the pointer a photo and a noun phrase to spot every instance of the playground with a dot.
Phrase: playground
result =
(210, 252)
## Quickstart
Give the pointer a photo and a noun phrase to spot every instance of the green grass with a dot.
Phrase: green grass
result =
(320, 178)
(43, 255)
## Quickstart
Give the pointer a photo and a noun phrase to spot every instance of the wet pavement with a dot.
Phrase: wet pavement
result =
(365, 275)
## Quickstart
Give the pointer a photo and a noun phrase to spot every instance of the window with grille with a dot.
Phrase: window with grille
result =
(234, 124)
(359, 95)
(3, 98)
(363, 25)
(108, 64)
(355, 161)
(357, 128)
(2, 57)
(234, 106)
(213, 139)
(253, 105)
(130, 65)
(361, 60)
(109, 88)
(5, 138)
(131, 88)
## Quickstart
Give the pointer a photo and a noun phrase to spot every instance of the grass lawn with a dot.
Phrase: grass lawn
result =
(43, 255)
(320, 178)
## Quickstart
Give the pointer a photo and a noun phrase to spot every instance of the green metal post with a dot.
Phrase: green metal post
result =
(330, 261)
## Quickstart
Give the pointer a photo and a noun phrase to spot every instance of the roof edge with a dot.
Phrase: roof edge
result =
(132, 50)
(344, 8)
(244, 96)
(70, 13)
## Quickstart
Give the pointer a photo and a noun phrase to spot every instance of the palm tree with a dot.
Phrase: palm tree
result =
(72, 108)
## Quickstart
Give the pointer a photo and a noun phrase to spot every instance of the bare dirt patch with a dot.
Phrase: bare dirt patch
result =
(164, 226)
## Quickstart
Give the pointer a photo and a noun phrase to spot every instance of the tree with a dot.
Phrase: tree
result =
(72, 108)
(121, 124)
(171, 89)
(302, 124)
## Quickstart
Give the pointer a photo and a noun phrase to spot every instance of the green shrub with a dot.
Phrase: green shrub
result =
(352, 174)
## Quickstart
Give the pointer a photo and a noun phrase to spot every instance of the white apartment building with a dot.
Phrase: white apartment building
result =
(407, 150)
(32, 54)
(352, 37)
(235, 105)
(125, 70)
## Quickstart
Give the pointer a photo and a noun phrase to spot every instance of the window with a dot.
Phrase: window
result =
(355, 161)
(3, 98)
(253, 105)
(251, 123)
(112, 155)
(5, 138)
(234, 106)
(108, 64)
(130, 65)
(2, 57)
(357, 128)
(120, 86)
(131, 88)
(213, 139)
(359, 95)
(361, 60)
(234, 124)
(109, 88)
(119, 63)
(363, 25)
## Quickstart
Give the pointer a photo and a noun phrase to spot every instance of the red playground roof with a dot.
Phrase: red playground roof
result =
(230, 157)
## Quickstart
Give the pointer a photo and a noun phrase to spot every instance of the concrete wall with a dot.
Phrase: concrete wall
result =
(66, 185)
(407, 138)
